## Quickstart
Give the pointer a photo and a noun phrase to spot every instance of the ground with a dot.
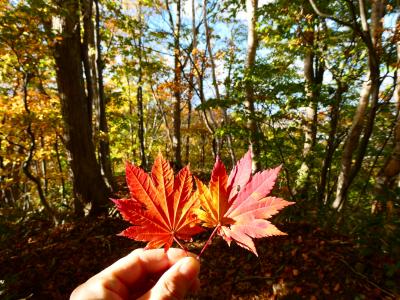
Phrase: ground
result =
(38, 261)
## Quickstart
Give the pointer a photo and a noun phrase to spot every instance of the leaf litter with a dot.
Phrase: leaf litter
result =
(308, 263)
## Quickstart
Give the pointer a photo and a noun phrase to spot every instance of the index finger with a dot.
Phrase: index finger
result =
(140, 263)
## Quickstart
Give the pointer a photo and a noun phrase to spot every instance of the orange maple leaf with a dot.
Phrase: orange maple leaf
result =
(238, 206)
(161, 207)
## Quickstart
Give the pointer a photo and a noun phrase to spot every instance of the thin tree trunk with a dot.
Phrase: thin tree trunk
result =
(60, 169)
(313, 76)
(89, 185)
(208, 120)
(10, 193)
(44, 168)
(209, 49)
(27, 163)
(104, 144)
(331, 145)
(131, 127)
(154, 129)
(215, 83)
(191, 83)
(176, 139)
(205, 114)
(139, 96)
(164, 116)
(228, 96)
(251, 7)
(203, 150)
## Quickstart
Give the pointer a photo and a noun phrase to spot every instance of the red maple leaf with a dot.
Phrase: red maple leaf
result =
(161, 207)
(238, 206)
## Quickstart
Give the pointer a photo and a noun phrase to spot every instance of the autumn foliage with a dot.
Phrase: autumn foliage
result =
(161, 207)
(164, 208)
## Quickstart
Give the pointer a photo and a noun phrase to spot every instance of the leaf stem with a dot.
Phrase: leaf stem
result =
(180, 245)
(209, 240)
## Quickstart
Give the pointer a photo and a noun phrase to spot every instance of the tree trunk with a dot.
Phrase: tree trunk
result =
(206, 114)
(228, 87)
(26, 166)
(89, 186)
(331, 143)
(209, 49)
(191, 84)
(370, 89)
(176, 138)
(313, 76)
(164, 116)
(351, 144)
(216, 87)
(104, 144)
(384, 189)
(251, 7)
(63, 190)
(44, 169)
(87, 57)
(139, 96)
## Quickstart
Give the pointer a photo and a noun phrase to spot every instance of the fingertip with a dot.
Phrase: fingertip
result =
(189, 267)
(180, 279)
(175, 254)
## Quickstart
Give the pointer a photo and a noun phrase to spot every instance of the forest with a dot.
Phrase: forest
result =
(88, 86)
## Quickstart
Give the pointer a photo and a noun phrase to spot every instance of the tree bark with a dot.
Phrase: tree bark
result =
(216, 140)
(251, 7)
(388, 174)
(331, 143)
(176, 138)
(206, 114)
(139, 96)
(351, 144)
(87, 57)
(216, 87)
(191, 83)
(104, 144)
(313, 76)
(44, 168)
(164, 116)
(372, 39)
(89, 186)
(57, 150)
(228, 87)
(26, 166)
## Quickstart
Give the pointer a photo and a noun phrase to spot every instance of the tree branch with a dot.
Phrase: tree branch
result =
(327, 16)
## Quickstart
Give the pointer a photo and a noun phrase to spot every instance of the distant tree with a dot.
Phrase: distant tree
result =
(176, 24)
(88, 183)
(252, 42)
(385, 188)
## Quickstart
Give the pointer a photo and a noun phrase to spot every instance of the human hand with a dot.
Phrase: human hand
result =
(144, 274)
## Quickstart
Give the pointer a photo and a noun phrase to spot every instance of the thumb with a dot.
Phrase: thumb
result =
(174, 284)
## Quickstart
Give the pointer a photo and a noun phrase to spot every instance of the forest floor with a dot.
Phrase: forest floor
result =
(42, 262)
